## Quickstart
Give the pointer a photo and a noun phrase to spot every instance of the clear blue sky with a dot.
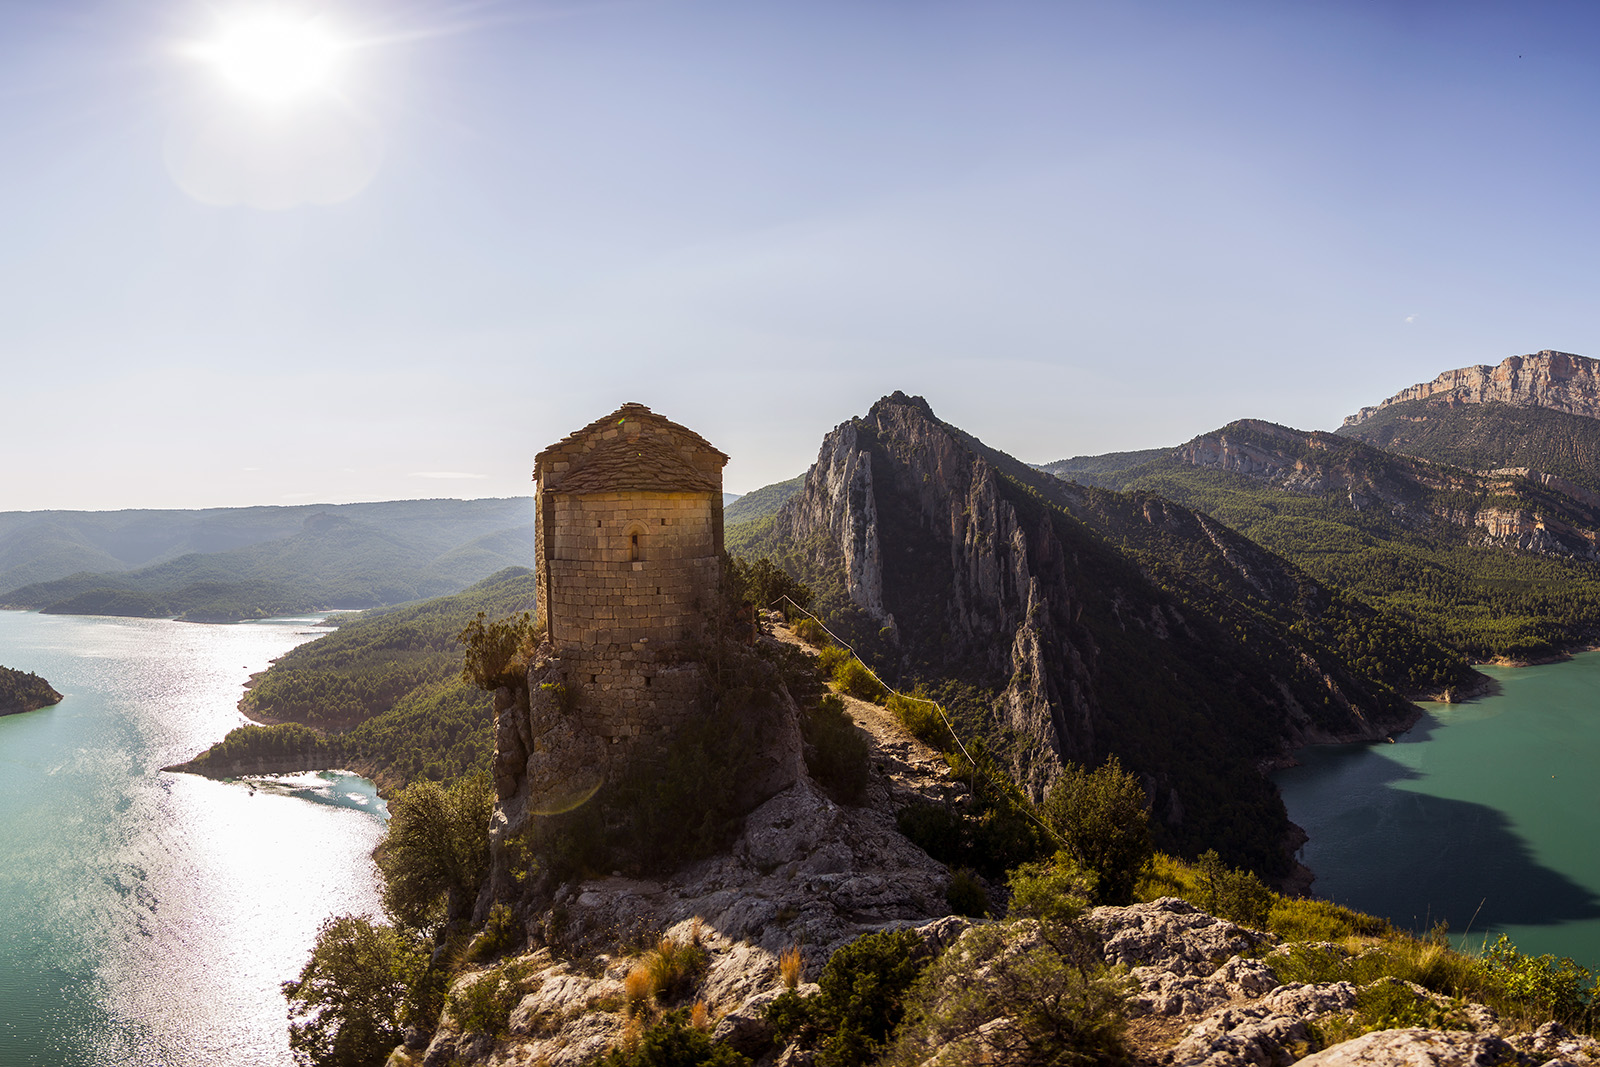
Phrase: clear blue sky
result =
(1073, 227)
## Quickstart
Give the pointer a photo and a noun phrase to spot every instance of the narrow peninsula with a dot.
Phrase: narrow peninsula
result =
(21, 692)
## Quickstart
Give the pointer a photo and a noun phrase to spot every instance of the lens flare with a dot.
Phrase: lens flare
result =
(274, 57)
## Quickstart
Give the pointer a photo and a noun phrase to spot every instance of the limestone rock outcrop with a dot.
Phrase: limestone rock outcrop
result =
(1560, 381)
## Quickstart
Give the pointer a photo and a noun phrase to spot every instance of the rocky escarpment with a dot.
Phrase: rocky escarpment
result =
(948, 560)
(1517, 508)
(1201, 992)
(24, 691)
(1559, 381)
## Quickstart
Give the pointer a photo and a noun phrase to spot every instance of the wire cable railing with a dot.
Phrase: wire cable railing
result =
(1001, 788)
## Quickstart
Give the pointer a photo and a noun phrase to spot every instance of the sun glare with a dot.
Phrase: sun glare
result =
(274, 57)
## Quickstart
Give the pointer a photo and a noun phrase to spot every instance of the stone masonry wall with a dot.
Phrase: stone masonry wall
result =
(627, 568)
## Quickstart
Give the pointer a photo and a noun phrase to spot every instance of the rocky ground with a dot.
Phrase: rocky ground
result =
(809, 874)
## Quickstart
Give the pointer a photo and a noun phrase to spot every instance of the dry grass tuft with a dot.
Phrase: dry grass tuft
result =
(699, 1016)
(637, 987)
(790, 964)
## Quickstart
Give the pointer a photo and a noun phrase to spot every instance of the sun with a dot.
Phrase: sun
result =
(275, 57)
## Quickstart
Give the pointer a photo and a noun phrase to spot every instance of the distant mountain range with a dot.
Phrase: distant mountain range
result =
(1202, 609)
(225, 564)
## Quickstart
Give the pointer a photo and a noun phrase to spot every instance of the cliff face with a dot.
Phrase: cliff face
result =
(958, 562)
(1559, 381)
(1513, 507)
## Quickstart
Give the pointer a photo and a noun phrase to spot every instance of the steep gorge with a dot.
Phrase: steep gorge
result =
(1081, 623)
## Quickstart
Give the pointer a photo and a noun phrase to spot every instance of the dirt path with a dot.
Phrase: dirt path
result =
(912, 769)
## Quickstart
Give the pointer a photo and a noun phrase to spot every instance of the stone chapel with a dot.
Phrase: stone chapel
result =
(628, 555)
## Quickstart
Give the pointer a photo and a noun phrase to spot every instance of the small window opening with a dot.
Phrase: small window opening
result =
(647, 680)
(663, 520)
(597, 524)
(594, 679)
(633, 549)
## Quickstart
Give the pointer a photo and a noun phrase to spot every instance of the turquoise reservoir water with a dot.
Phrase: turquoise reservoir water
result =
(1486, 814)
(148, 918)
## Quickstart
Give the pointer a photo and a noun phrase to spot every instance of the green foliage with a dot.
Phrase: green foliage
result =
(502, 932)
(24, 692)
(1302, 919)
(837, 753)
(348, 1007)
(992, 831)
(966, 895)
(854, 679)
(831, 658)
(384, 692)
(921, 718)
(811, 632)
(287, 741)
(761, 503)
(1063, 1005)
(1230, 893)
(763, 583)
(437, 849)
(1055, 892)
(672, 1042)
(1101, 820)
(497, 650)
(1546, 986)
(484, 1006)
(860, 999)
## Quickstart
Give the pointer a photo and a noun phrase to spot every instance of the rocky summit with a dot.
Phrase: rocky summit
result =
(1559, 381)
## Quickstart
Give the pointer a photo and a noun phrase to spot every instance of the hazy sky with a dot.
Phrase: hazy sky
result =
(1073, 227)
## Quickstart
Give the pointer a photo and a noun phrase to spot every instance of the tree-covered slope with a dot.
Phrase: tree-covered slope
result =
(1488, 437)
(1495, 566)
(351, 556)
(381, 694)
(1069, 623)
(24, 691)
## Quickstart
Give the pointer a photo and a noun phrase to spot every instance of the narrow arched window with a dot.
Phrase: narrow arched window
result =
(633, 548)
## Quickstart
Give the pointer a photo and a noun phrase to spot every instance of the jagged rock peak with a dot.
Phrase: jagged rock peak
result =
(897, 398)
(1560, 381)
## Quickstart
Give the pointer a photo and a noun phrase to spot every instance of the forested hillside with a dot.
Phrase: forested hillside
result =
(382, 693)
(257, 562)
(1495, 567)
(1067, 623)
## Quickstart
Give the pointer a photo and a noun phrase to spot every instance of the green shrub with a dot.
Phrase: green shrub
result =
(672, 1042)
(485, 1006)
(838, 754)
(811, 632)
(1301, 919)
(1546, 986)
(436, 850)
(859, 1002)
(831, 658)
(965, 894)
(1231, 893)
(922, 720)
(1064, 1007)
(852, 677)
(497, 651)
(1054, 892)
(350, 1003)
(1101, 820)
(502, 931)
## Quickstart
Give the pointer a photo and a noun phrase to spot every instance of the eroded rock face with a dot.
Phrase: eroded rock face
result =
(1418, 1048)
(1560, 381)
(805, 870)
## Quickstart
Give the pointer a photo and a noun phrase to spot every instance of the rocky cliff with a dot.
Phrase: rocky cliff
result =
(1062, 611)
(1518, 508)
(1559, 381)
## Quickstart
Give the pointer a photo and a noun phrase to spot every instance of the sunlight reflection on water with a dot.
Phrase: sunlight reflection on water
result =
(148, 917)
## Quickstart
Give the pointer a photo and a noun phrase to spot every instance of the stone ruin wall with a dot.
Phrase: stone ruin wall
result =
(610, 617)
